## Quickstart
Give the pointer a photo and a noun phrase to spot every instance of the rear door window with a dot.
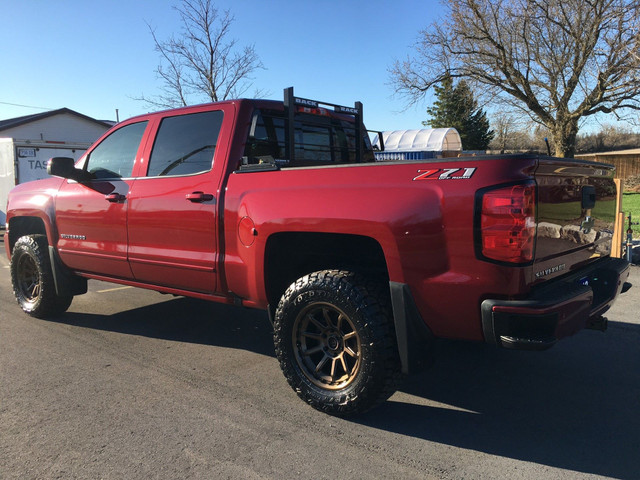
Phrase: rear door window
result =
(185, 144)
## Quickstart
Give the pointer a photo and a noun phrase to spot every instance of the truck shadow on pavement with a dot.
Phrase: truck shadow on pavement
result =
(186, 320)
(574, 407)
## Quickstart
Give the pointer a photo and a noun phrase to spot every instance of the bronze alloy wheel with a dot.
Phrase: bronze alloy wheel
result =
(28, 278)
(326, 346)
(32, 278)
(335, 340)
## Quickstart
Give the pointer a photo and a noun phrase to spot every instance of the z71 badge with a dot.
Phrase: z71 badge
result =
(445, 174)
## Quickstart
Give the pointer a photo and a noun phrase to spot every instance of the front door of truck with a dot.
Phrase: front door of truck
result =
(91, 215)
(173, 209)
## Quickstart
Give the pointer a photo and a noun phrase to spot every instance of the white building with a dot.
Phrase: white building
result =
(27, 143)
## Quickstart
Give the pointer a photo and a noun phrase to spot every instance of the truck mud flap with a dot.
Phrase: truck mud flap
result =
(415, 340)
(66, 282)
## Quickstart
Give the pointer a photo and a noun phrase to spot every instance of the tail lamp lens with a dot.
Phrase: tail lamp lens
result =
(508, 223)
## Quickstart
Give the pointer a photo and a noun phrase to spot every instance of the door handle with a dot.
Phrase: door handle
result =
(199, 197)
(115, 198)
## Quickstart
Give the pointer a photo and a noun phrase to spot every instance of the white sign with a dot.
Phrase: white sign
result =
(26, 152)
(35, 168)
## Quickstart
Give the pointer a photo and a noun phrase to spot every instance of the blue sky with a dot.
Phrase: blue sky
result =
(93, 57)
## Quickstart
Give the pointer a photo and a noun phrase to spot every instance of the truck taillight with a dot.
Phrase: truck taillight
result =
(508, 223)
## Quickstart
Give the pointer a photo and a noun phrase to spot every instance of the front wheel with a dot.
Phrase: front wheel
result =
(335, 340)
(32, 279)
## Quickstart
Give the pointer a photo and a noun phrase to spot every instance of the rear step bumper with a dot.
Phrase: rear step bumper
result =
(557, 309)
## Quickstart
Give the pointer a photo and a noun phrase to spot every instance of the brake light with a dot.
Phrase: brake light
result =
(314, 111)
(508, 223)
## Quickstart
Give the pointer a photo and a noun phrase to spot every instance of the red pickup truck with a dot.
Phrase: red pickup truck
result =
(360, 264)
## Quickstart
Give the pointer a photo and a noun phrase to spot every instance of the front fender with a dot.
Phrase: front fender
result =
(31, 208)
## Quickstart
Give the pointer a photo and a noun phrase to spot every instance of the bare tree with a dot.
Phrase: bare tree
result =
(202, 63)
(517, 134)
(558, 61)
(507, 133)
(609, 137)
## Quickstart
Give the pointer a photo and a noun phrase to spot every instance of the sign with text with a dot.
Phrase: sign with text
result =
(26, 152)
(34, 167)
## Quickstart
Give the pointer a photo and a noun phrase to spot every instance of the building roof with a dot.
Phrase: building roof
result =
(633, 151)
(18, 121)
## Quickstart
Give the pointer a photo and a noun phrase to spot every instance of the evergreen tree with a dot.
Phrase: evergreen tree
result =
(456, 107)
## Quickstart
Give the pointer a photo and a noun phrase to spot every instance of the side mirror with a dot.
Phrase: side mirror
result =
(65, 167)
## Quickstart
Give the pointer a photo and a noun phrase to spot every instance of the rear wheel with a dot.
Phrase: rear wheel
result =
(32, 279)
(335, 341)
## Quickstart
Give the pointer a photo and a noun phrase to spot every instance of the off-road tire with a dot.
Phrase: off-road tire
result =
(335, 340)
(32, 279)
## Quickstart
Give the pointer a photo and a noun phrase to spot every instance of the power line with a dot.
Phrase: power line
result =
(25, 106)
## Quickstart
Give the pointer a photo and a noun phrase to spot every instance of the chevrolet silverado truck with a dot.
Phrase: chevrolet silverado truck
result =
(281, 206)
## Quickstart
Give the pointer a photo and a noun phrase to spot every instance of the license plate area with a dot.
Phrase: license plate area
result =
(586, 281)
(602, 283)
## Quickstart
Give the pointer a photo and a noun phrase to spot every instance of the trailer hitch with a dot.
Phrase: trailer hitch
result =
(599, 323)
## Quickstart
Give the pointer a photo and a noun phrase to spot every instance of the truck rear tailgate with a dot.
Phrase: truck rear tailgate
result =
(575, 217)
(574, 279)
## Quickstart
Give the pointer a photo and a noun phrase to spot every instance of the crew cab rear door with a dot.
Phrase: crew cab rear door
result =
(173, 207)
(91, 215)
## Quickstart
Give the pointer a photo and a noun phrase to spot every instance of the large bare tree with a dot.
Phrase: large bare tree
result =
(202, 63)
(558, 61)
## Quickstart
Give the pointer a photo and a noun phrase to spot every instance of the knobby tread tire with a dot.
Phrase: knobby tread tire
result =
(366, 301)
(47, 303)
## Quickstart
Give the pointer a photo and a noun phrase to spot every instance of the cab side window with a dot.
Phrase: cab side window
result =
(115, 156)
(319, 140)
(185, 144)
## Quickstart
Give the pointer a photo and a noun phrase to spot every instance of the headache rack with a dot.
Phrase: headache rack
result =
(293, 105)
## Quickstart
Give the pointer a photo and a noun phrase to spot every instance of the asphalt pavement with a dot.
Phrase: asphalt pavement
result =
(132, 384)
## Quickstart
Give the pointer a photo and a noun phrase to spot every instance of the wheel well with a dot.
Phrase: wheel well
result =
(292, 255)
(21, 226)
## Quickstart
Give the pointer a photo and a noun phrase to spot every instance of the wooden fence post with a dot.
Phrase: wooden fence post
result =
(618, 229)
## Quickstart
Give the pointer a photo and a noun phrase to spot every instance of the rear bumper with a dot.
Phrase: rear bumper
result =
(557, 309)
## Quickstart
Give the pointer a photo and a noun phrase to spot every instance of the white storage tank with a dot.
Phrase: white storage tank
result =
(417, 144)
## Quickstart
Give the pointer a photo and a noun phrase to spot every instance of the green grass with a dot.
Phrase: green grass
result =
(565, 212)
(572, 210)
(631, 205)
